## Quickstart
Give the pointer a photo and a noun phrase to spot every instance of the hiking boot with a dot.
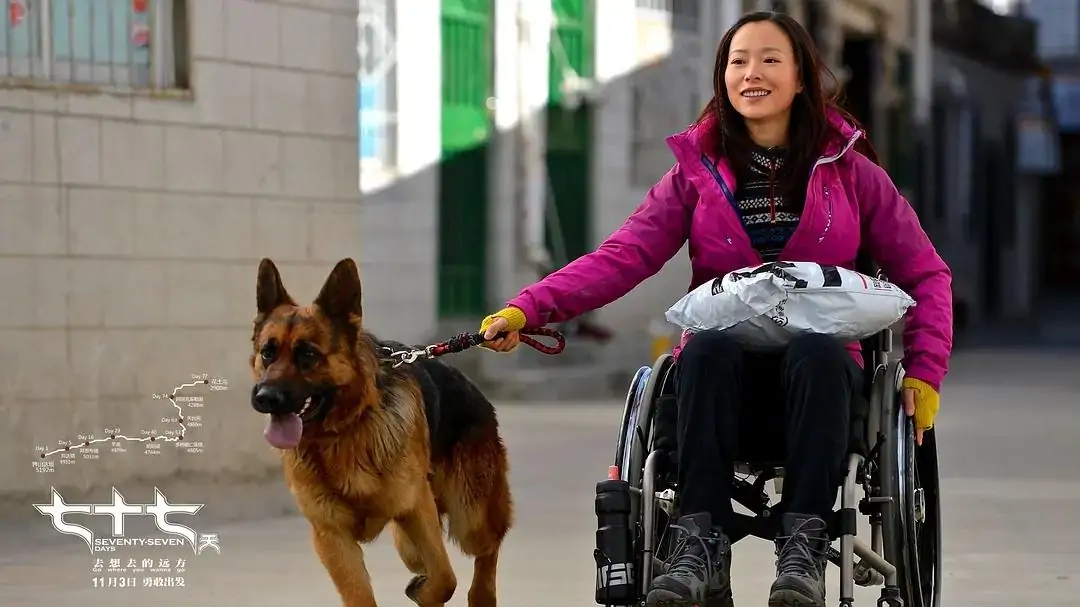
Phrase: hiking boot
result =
(801, 550)
(698, 572)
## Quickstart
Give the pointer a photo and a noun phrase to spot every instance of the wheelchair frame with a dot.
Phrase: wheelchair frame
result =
(899, 481)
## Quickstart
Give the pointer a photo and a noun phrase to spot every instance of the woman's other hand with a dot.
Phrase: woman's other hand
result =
(922, 402)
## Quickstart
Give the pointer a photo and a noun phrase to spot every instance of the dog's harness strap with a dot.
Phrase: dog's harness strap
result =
(464, 341)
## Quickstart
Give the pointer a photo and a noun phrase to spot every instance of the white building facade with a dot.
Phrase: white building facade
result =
(144, 171)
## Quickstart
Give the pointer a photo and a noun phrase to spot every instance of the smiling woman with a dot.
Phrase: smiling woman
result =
(773, 169)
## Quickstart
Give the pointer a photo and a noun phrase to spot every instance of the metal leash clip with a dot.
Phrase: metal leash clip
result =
(404, 357)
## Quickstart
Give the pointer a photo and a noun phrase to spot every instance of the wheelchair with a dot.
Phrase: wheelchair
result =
(899, 482)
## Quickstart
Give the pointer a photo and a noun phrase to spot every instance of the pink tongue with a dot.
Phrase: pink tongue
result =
(284, 431)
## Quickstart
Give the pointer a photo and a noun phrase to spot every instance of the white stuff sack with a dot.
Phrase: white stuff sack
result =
(766, 306)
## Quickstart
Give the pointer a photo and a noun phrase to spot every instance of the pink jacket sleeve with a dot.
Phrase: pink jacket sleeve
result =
(896, 240)
(648, 239)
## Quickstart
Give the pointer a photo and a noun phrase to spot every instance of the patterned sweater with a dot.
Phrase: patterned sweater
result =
(770, 219)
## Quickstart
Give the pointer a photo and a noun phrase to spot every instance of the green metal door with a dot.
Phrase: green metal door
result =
(467, 83)
(569, 135)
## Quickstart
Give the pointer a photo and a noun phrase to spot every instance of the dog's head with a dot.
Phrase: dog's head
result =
(307, 360)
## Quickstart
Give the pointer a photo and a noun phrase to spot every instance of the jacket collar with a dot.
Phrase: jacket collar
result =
(690, 140)
(849, 135)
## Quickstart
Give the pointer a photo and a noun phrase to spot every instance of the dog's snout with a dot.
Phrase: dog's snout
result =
(269, 399)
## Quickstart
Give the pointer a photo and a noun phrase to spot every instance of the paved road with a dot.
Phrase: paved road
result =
(1012, 494)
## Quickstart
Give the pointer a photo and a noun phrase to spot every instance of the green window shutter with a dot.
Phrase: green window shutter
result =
(467, 83)
(569, 134)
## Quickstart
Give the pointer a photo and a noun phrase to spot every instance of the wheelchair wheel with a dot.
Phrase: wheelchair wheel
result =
(634, 446)
(628, 428)
(909, 475)
(635, 439)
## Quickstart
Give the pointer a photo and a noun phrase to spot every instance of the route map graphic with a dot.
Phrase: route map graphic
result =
(181, 418)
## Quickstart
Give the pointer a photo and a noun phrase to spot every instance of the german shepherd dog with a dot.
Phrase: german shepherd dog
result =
(365, 445)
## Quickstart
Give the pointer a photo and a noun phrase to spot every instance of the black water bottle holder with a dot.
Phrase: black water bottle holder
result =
(614, 554)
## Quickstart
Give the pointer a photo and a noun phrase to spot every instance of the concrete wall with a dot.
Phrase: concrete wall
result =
(131, 227)
(398, 219)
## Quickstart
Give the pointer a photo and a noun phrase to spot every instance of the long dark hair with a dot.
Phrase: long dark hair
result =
(809, 130)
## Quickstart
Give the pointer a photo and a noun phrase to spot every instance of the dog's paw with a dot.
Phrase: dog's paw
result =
(413, 589)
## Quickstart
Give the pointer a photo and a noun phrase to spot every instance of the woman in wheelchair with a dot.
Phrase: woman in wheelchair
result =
(772, 170)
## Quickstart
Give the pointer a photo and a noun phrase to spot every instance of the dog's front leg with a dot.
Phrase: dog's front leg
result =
(343, 559)
(422, 531)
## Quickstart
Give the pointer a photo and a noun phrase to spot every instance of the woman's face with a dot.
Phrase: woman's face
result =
(761, 76)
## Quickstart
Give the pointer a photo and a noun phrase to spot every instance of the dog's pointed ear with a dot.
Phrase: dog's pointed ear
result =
(340, 297)
(269, 290)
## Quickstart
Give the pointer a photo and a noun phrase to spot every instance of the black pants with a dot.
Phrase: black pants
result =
(792, 406)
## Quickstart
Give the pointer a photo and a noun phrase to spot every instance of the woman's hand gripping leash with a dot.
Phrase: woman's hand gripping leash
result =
(497, 338)
(505, 329)
(502, 330)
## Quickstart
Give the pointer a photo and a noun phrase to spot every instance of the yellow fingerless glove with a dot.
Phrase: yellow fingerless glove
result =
(514, 317)
(927, 402)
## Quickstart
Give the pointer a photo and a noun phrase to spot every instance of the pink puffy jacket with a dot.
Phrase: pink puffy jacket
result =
(851, 203)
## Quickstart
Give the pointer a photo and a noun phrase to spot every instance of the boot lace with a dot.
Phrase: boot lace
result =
(686, 561)
(800, 555)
